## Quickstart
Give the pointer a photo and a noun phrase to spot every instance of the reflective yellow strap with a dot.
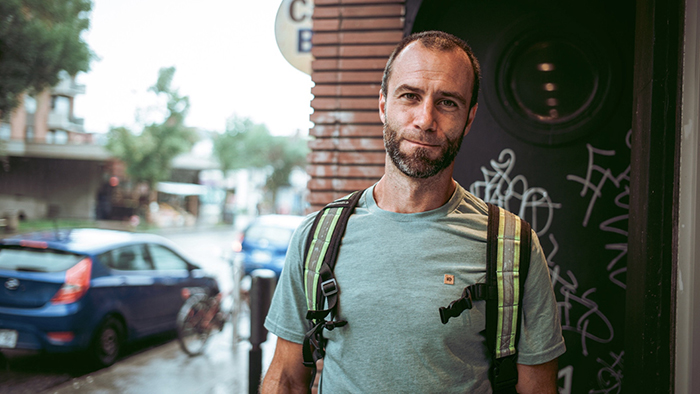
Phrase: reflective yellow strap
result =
(508, 278)
(317, 252)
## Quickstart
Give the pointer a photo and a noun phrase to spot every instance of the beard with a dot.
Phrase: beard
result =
(419, 164)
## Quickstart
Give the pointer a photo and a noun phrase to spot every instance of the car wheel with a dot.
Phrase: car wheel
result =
(107, 342)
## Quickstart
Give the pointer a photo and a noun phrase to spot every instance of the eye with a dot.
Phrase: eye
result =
(448, 103)
(410, 96)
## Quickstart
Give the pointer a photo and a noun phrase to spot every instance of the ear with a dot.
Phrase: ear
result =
(382, 107)
(472, 115)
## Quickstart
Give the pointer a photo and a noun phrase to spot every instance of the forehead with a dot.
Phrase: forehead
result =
(416, 63)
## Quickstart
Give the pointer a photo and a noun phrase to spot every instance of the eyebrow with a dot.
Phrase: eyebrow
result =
(454, 95)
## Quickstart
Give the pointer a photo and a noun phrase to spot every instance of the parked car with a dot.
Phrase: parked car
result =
(264, 242)
(90, 289)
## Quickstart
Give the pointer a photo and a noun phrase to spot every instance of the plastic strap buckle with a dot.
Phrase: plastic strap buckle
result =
(504, 373)
(329, 287)
(457, 306)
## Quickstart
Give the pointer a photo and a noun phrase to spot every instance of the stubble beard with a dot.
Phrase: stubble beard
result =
(419, 164)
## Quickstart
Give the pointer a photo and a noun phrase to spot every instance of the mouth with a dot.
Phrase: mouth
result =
(421, 144)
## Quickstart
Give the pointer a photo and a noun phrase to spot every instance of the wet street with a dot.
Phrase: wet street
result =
(156, 365)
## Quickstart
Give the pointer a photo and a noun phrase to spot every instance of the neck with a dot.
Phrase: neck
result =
(397, 192)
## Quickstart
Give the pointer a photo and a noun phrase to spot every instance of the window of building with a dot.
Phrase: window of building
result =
(29, 104)
(29, 134)
(61, 105)
(5, 131)
(60, 137)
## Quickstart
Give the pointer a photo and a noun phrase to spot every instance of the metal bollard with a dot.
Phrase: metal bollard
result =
(261, 290)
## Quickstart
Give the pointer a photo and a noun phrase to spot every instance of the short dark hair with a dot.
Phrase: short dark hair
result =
(435, 40)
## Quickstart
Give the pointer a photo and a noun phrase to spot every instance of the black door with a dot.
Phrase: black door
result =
(551, 142)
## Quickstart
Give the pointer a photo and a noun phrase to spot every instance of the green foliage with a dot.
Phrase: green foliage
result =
(285, 154)
(243, 145)
(148, 155)
(249, 145)
(39, 39)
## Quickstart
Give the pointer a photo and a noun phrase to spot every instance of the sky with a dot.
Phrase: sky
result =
(226, 59)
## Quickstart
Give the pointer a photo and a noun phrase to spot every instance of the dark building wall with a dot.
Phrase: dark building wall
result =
(34, 185)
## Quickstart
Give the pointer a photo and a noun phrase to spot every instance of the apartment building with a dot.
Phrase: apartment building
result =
(53, 167)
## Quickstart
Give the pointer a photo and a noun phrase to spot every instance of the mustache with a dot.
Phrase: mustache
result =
(418, 139)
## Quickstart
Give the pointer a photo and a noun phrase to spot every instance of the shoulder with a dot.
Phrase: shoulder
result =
(468, 203)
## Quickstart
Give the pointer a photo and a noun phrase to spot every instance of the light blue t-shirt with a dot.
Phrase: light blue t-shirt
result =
(390, 271)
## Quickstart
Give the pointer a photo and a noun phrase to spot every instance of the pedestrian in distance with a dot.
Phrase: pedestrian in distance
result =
(413, 241)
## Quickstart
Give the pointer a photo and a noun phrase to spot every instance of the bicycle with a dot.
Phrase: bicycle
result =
(199, 316)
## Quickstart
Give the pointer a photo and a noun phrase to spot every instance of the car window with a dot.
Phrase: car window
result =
(37, 260)
(274, 235)
(165, 259)
(127, 258)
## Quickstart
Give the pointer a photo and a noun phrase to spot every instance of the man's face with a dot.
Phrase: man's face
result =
(426, 109)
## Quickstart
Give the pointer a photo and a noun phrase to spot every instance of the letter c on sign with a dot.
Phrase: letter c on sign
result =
(296, 18)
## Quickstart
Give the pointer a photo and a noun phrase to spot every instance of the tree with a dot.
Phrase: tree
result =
(38, 40)
(148, 156)
(246, 144)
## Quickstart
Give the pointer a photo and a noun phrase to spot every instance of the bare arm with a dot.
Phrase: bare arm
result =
(287, 373)
(541, 378)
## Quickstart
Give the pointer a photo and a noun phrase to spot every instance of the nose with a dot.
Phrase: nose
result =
(424, 118)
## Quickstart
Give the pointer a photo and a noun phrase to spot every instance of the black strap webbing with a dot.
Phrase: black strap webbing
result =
(321, 288)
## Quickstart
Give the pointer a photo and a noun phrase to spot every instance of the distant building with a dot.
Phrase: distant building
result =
(48, 117)
(54, 168)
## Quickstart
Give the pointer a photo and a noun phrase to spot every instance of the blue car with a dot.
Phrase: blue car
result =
(265, 241)
(90, 289)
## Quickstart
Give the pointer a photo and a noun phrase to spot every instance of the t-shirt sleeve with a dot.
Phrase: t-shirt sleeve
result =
(287, 315)
(541, 337)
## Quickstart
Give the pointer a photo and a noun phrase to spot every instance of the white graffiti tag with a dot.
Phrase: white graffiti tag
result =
(610, 376)
(616, 224)
(578, 312)
(499, 188)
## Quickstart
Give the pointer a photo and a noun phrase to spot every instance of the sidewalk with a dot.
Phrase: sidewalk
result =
(223, 368)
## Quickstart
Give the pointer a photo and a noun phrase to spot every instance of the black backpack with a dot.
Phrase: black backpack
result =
(506, 272)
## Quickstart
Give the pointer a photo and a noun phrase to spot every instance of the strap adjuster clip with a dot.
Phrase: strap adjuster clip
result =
(457, 306)
(329, 287)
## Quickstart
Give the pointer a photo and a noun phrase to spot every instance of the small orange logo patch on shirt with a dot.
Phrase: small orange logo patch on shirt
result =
(449, 279)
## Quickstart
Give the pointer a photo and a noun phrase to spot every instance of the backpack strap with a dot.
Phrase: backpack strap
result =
(507, 263)
(508, 260)
(320, 286)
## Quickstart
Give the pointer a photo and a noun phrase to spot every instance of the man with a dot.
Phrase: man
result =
(410, 229)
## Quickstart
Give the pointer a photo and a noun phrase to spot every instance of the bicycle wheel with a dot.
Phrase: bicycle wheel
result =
(192, 332)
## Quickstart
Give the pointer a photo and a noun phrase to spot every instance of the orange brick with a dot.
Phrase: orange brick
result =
(340, 157)
(339, 184)
(346, 171)
(363, 90)
(365, 51)
(340, 2)
(370, 37)
(346, 77)
(345, 103)
(333, 117)
(349, 64)
(347, 144)
(358, 11)
(338, 130)
(326, 25)
(374, 24)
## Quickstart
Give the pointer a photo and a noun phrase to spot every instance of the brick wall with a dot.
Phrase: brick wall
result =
(352, 41)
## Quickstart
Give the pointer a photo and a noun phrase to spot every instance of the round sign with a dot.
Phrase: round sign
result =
(293, 32)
